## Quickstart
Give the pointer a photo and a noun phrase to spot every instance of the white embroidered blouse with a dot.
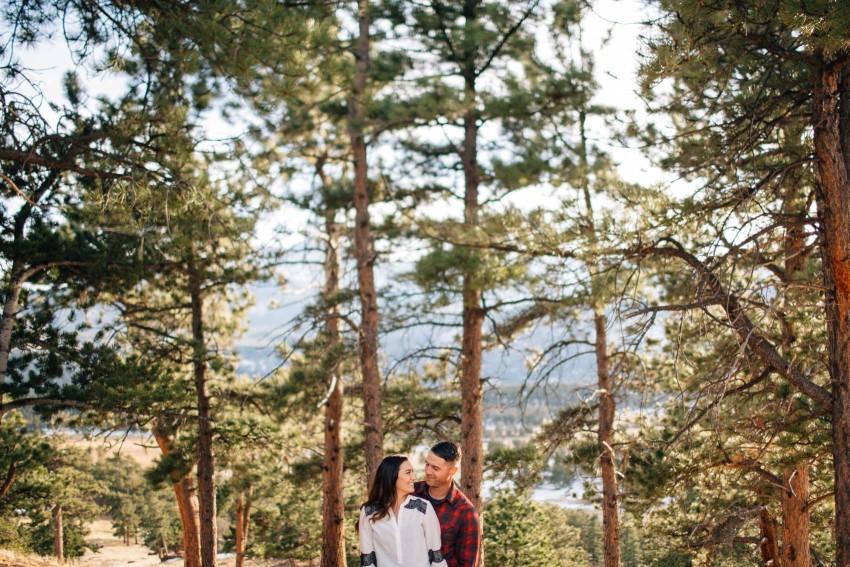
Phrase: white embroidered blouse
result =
(411, 540)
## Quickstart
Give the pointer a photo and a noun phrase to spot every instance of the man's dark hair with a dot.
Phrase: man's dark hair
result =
(448, 451)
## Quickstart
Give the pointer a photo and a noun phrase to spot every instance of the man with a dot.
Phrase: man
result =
(459, 525)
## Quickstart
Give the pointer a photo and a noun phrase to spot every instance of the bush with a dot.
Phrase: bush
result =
(522, 533)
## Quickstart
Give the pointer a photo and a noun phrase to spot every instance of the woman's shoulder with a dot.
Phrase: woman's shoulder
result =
(369, 509)
(417, 503)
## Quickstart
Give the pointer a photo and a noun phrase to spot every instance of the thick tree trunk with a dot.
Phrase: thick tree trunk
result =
(834, 216)
(768, 543)
(187, 504)
(372, 420)
(472, 458)
(471, 426)
(58, 535)
(333, 542)
(206, 455)
(605, 436)
(795, 518)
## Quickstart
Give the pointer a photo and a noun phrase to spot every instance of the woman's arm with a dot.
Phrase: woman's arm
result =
(367, 546)
(433, 537)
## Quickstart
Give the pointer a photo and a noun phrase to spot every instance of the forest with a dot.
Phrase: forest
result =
(451, 223)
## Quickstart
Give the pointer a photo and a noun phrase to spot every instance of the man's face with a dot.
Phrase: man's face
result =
(438, 472)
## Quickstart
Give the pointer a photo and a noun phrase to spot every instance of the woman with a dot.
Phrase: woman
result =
(396, 528)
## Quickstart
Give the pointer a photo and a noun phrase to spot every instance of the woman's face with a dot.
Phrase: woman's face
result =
(406, 478)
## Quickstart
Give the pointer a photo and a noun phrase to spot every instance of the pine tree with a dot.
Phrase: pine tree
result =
(754, 84)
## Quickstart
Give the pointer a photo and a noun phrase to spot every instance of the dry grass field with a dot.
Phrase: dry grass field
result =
(138, 446)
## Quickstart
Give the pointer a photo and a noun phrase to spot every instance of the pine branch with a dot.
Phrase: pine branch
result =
(742, 324)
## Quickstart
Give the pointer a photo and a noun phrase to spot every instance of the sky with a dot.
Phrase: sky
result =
(612, 31)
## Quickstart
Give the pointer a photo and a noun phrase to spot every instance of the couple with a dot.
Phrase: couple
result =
(419, 524)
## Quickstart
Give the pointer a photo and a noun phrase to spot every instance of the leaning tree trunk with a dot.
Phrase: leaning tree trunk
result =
(834, 216)
(364, 250)
(10, 478)
(187, 505)
(58, 535)
(795, 518)
(333, 512)
(471, 426)
(206, 456)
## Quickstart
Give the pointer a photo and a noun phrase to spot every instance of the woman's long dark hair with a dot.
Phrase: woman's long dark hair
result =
(382, 490)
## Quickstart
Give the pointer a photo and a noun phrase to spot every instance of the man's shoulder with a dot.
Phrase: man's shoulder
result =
(461, 502)
(420, 488)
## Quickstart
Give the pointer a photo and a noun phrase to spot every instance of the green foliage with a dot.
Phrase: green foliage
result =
(159, 522)
(522, 533)
(521, 465)
(46, 475)
(74, 531)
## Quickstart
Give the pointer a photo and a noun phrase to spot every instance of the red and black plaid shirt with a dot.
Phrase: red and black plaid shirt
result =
(459, 526)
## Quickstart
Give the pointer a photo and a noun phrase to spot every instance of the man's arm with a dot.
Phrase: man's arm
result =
(468, 543)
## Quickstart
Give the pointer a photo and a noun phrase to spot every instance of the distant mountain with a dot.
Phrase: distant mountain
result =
(274, 311)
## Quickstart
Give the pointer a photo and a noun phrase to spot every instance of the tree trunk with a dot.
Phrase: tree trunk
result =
(58, 536)
(795, 518)
(19, 272)
(471, 427)
(605, 436)
(834, 216)
(333, 542)
(10, 478)
(372, 420)
(243, 516)
(767, 545)
(206, 455)
(605, 384)
(187, 504)
(10, 311)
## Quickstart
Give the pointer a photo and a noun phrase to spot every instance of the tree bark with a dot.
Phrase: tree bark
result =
(605, 437)
(472, 460)
(364, 249)
(795, 518)
(58, 535)
(10, 477)
(187, 504)
(243, 517)
(206, 455)
(768, 543)
(10, 311)
(834, 217)
(333, 498)
(605, 383)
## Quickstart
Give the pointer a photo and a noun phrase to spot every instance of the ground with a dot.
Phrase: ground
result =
(113, 553)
